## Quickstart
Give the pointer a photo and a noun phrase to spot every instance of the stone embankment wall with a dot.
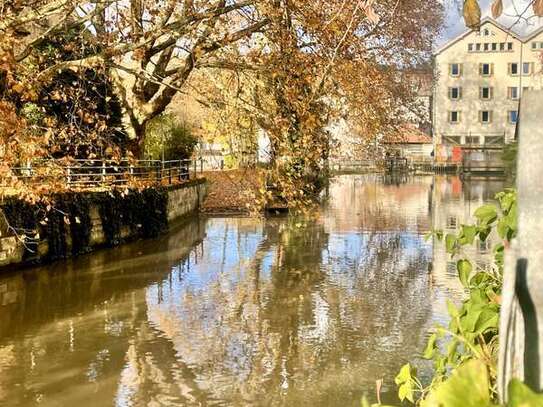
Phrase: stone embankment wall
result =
(76, 223)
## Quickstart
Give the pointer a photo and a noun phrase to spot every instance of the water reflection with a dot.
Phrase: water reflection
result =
(236, 311)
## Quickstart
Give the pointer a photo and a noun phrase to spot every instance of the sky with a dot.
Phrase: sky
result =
(455, 22)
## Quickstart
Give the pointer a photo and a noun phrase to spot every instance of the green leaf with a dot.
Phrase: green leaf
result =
(483, 232)
(464, 268)
(486, 214)
(451, 349)
(468, 386)
(450, 243)
(467, 234)
(469, 321)
(488, 319)
(430, 347)
(404, 375)
(521, 395)
(453, 311)
(479, 279)
(405, 391)
(503, 228)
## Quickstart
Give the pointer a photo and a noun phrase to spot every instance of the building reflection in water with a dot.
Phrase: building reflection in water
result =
(237, 311)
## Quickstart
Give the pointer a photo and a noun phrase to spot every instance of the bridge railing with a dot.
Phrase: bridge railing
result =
(99, 172)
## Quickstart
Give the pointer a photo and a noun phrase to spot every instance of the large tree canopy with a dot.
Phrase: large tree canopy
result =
(303, 64)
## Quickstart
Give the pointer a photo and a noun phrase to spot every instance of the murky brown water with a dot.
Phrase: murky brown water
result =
(242, 312)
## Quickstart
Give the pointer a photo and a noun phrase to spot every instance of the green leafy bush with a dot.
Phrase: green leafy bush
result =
(165, 134)
(465, 352)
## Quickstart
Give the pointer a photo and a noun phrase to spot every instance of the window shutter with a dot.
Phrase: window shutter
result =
(491, 93)
(480, 92)
(491, 69)
(460, 69)
(480, 69)
(509, 68)
(459, 92)
(449, 93)
(459, 116)
(509, 93)
(490, 116)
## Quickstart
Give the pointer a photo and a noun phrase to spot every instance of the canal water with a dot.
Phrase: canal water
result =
(244, 312)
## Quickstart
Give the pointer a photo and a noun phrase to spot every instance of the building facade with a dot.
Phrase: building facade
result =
(479, 79)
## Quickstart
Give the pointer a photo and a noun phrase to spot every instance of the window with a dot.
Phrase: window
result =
(455, 93)
(486, 33)
(472, 139)
(494, 46)
(485, 45)
(513, 116)
(502, 46)
(452, 140)
(485, 69)
(509, 46)
(513, 68)
(485, 116)
(455, 69)
(485, 93)
(526, 68)
(534, 45)
(454, 116)
(494, 140)
(470, 47)
(452, 222)
(512, 93)
(477, 47)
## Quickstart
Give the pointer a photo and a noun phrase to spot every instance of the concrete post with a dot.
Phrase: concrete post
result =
(521, 322)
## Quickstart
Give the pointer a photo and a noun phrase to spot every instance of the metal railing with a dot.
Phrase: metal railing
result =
(96, 173)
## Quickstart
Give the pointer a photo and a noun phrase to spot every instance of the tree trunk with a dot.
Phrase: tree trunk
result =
(137, 145)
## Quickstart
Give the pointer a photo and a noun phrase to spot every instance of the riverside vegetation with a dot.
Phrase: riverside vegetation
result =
(465, 353)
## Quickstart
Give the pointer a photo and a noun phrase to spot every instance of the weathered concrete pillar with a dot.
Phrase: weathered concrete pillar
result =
(521, 324)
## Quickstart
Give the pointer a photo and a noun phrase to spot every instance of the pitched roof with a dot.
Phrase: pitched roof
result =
(495, 24)
(409, 134)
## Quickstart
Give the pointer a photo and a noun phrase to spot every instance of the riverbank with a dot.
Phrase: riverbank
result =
(232, 192)
(74, 223)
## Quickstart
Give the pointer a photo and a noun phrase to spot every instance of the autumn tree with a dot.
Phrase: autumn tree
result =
(148, 49)
(317, 62)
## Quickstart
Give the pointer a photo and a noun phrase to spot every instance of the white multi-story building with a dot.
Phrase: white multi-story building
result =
(479, 79)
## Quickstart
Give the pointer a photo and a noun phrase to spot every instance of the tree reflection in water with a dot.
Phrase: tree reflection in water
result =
(232, 311)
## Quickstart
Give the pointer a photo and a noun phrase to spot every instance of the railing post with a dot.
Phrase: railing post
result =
(103, 172)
